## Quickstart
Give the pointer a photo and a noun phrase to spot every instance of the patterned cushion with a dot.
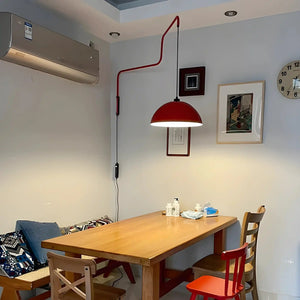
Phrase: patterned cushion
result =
(15, 258)
(86, 225)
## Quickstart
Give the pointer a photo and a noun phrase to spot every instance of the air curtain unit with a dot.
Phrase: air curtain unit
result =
(31, 45)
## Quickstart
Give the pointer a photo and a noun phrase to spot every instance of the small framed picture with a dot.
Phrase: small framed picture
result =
(178, 141)
(240, 113)
(192, 81)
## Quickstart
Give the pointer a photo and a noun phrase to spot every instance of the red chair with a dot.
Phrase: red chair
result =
(220, 288)
(213, 264)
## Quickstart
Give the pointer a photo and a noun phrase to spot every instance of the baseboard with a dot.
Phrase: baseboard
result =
(272, 296)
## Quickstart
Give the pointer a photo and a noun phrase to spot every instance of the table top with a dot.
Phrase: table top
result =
(145, 240)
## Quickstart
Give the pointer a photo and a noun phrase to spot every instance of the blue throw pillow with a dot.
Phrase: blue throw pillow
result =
(15, 258)
(35, 233)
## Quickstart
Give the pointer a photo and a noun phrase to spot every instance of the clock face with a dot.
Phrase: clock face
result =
(288, 80)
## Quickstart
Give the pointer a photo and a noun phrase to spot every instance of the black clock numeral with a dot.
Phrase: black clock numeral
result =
(282, 88)
(295, 94)
(289, 67)
(297, 64)
(287, 93)
(283, 73)
(280, 81)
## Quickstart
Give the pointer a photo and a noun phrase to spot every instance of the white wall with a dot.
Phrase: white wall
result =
(55, 153)
(234, 178)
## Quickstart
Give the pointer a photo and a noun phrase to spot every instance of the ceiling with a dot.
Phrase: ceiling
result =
(140, 18)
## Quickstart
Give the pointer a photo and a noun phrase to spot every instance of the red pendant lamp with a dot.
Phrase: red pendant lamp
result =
(176, 113)
(171, 114)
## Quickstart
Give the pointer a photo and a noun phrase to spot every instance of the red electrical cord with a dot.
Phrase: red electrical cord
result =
(116, 166)
(145, 66)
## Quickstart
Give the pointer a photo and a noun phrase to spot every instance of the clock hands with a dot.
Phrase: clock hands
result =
(296, 82)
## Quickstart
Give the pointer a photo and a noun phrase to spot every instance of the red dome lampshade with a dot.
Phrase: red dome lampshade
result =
(176, 114)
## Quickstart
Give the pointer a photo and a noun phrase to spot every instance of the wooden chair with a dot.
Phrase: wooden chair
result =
(218, 288)
(83, 288)
(214, 265)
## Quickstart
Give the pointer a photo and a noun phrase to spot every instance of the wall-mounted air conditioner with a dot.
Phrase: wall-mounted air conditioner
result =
(31, 45)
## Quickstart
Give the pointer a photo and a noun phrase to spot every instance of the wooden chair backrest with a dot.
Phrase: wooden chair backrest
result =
(249, 233)
(239, 257)
(60, 284)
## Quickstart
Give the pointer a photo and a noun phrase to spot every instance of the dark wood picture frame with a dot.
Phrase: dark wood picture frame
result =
(178, 141)
(192, 81)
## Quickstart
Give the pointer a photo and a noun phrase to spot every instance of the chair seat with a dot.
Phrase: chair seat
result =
(215, 266)
(212, 287)
(101, 292)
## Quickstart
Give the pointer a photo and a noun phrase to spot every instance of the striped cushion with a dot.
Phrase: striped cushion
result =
(86, 225)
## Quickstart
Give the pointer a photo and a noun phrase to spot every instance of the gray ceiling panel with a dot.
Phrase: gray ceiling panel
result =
(125, 4)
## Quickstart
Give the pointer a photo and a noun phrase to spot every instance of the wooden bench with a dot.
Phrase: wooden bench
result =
(41, 277)
(26, 282)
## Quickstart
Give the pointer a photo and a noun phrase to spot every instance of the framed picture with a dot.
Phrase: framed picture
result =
(178, 141)
(192, 81)
(240, 112)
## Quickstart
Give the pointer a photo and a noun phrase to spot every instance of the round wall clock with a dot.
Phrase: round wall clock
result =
(288, 80)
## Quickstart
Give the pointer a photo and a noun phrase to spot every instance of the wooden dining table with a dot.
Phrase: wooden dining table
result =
(146, 240)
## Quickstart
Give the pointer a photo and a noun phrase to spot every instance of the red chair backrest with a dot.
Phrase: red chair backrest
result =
(239, 257)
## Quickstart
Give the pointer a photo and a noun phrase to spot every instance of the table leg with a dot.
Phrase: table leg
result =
(219, 241)
(151, 280)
